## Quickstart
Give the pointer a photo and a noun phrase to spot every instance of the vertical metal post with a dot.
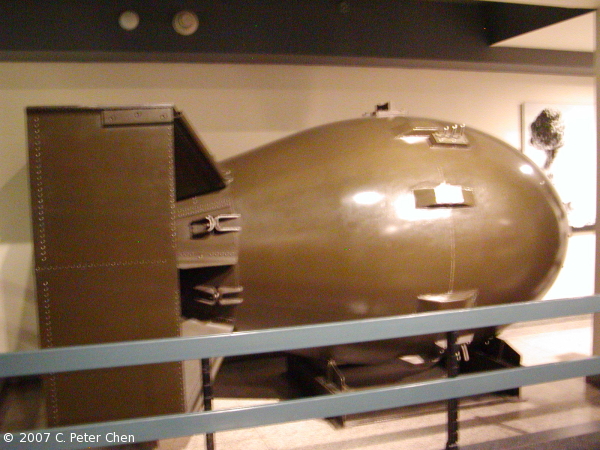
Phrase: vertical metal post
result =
(207, 394)
(452, 356)
(595, 379)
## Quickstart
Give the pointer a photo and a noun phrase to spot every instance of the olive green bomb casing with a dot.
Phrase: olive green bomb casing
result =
(396, 215)
(374, 217)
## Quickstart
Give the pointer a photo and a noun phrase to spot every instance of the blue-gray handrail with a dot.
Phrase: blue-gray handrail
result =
(281, 339)
(130, 353)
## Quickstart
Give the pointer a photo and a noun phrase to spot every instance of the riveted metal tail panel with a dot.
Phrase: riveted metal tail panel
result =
(103, 200)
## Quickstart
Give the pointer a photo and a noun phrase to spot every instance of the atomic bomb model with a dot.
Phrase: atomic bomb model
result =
(138, 233)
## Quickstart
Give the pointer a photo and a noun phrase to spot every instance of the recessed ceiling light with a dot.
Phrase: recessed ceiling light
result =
(129, 20)
(185, 22)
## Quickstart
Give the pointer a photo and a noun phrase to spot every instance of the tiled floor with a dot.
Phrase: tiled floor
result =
(563, 414)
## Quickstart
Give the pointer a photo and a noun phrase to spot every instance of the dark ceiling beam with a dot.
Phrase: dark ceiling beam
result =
(414, 33)
(508, 20)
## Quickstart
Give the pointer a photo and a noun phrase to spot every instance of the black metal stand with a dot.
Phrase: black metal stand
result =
(483, 354)
(207, 393)
(452, 368)
(491, 353)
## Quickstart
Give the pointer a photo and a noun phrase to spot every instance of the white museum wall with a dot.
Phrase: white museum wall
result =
(238, 107)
